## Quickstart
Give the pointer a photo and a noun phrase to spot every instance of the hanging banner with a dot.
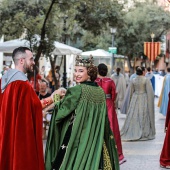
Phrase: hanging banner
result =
(152, 50)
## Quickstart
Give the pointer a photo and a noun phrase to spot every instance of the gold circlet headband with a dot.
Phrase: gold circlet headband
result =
(84, 62)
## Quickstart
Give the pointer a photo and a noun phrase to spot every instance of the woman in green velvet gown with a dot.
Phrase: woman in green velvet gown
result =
(79, 136)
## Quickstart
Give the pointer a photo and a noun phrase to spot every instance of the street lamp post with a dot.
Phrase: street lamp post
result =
(112, 31)
(65, 73)
(152, 49)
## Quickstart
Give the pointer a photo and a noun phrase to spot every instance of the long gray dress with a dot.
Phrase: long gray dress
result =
(140, 119)
(120, 83)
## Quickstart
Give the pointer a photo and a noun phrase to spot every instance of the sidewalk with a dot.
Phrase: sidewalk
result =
(144, 155)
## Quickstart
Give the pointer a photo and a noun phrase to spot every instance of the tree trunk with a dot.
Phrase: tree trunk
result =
(131, 68)
(41, 47)
(43, 32)
(52, 62)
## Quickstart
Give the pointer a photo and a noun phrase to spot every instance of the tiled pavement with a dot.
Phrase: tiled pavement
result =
(144, 155)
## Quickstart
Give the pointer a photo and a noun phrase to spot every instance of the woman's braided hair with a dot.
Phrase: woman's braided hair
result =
(92, 72)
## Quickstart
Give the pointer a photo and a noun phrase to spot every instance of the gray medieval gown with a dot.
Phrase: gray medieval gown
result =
(140, 118)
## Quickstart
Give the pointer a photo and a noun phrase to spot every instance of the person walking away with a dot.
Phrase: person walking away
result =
(120, 83)
(140, 120)
(156, 71)
(163, 100)
(134, 74)
(79, 136)
(151, 77)
(162, 73)
(108, 85)
(126, 100)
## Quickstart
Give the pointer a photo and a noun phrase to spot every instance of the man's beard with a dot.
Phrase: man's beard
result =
(29, 71)
(28, 68)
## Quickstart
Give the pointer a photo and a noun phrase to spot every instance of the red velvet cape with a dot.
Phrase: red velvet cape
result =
(109, 87)
(165, 154)
(21, 145)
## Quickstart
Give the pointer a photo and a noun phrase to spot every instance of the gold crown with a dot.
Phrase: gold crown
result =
(84, 62)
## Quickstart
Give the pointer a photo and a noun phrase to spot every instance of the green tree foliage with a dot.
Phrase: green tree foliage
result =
(92, 42)
(42, 21)
(16, 16)
(138, 24)
(93, 16)
(36, 20)
(89, 20)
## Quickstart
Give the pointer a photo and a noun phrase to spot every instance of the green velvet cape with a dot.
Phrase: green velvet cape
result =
(90, 129)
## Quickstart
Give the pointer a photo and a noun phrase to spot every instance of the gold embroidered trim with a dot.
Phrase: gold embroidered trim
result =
(89, 95)
(106, 158)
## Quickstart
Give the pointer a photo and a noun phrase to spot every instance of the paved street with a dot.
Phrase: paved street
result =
(144, 155)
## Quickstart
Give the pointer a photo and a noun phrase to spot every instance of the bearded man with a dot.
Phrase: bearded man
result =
(20, 117)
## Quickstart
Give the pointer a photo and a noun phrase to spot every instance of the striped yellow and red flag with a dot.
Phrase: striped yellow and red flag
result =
(152, 50)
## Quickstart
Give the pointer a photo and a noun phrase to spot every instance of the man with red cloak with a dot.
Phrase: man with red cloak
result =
(21, 145)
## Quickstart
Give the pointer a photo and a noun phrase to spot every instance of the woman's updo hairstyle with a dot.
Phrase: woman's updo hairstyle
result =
(92, 72)
(102, 69)
(139, 70)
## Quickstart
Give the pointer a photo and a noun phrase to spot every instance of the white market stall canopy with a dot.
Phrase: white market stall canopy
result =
(63, 49)
(60, 49)
(9, 46)
(102, 56)
(97, 53)
(100, 53)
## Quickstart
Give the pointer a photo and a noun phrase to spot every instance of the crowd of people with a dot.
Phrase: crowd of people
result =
(84, 129)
